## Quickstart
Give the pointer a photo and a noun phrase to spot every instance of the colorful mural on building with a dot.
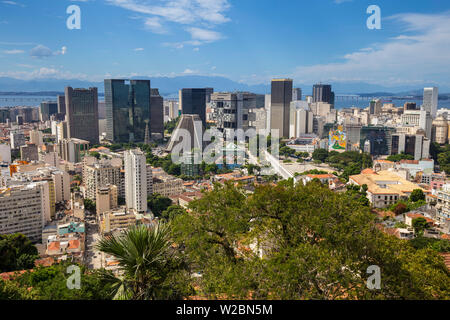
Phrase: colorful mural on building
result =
(337, 140)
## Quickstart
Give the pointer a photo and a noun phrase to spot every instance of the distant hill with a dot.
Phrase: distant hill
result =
(169, 86)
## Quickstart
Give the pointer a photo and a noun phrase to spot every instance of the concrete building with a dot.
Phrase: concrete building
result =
(72, 150)
(281, 98)
(17, 139)
(430, 100)
(5, 153)
(300, 119)
(296, 94)
(135, 180)
(415, 145)
(440, 130)
(22, 210)
(384, 187)
(47, 109)
(100, 174)
(106, 198)
(166, 185)
(29, 152)
(323, 93)
(231, 111)
(36, 137)
(61, 131)
(375, 107)
(443, 204)
(61, 104)
(120, 219)
(193, 101)
(156, 115)
(82, 114)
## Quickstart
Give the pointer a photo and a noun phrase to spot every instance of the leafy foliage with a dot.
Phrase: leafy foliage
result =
(300, 242)
(151, 268)
(399, 157)
(50, 283)
(157, 203)
(417, 195)
(16, 252)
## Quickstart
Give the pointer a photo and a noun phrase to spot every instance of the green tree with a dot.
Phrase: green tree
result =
(417, 195)
(320, 155)
(308, 243)
(90, 205)
(50, 283)
(399, 157)
(157, 203)
(151, 268)
(173, 211)
(16, 252)
(419, 225)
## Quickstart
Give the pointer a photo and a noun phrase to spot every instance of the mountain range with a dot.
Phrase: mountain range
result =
(169, 86)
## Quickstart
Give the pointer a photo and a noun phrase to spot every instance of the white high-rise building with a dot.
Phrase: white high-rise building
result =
(135, 180)
(430, 100)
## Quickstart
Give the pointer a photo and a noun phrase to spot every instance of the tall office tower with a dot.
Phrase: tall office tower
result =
(281, 98)
(135, 180)
(194, 100)
(156, 114)
(46, 109)
(232, 111)
(375, 107)
(4, 115)
(426, 122)
(61, 104)
(301, 119)
(296, 94)
(61, 131)
(82, 114)
(430, 100)
(380, 139)
(323, 93)
(19, 120)
(127, 104)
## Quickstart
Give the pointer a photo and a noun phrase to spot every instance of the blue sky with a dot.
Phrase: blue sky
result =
(250, 41)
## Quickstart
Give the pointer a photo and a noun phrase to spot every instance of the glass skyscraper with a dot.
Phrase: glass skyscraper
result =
(127, 104)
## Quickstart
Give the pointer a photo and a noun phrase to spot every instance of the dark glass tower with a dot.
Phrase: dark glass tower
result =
(281, 98)
(323, 93)
(193, 101)
(82, 114)
(127, 104)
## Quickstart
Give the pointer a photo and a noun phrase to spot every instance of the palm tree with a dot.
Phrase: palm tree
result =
(150, 268)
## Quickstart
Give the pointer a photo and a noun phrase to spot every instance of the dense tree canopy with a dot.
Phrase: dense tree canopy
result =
(16, 252)
(300, 242)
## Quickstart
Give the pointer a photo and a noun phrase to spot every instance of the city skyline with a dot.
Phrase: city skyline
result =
(229, 39)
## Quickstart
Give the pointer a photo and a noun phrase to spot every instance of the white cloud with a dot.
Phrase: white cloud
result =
(204, 35)
(420, 56)
(13, 51)
(159, 13)
(139, 49)
(13, 3)
(189, 71)
(41, 51)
